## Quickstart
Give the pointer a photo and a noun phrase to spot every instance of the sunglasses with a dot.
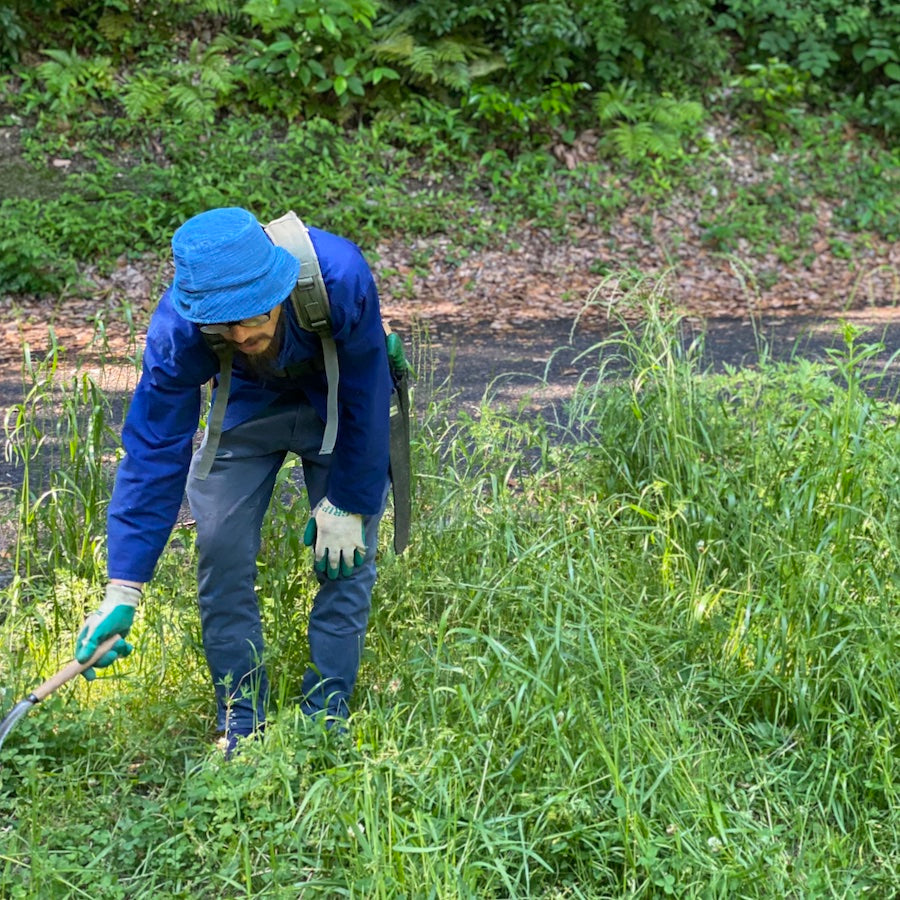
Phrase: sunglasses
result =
(225, 327)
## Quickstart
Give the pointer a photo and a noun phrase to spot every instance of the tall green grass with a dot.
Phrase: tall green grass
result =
(648, 651)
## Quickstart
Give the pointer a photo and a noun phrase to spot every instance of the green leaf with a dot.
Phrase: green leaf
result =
(331, 26)
(381, 72)
(892, 70)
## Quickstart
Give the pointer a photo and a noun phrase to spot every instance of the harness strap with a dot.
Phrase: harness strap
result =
(331, 374)
(217, 413)
(310, 302)
(401, 465)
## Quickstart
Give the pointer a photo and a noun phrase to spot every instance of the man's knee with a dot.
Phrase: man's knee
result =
(227, 543)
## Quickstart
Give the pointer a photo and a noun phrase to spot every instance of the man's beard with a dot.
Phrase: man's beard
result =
(262, 366)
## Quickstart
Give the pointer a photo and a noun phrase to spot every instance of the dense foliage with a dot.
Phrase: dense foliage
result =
(499, 60)
(647, 651)
(132, 116)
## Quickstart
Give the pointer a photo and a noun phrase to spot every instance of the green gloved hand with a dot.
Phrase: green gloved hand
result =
(115, 616)
(396, 357)
(338, 537)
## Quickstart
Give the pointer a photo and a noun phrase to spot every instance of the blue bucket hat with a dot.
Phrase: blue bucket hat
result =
(227, 269)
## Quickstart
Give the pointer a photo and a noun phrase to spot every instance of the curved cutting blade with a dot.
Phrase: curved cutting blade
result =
(13, 716)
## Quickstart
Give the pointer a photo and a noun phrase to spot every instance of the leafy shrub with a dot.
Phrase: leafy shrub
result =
(433, 129)
(879, 110)
(550, 110)
(118, 28)
(11, 34)
(566, 41)
(73, 82)
(775, 93)
(855, 44)
(29, 265)
(308, 48)
(503, 58)
(640, 125)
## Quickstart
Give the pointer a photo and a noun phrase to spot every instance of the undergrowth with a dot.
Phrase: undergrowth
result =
(646, 650)
(103, 188)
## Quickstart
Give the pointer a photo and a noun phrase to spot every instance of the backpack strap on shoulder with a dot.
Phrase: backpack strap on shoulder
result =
(225, 352)
(310, 301)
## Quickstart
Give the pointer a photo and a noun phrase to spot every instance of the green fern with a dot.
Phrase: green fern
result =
(394, 46)
(479, 68)
(71, 80)
(218, 79)
(677, 115)
(115, 25)
(615, 103)
(191, 103)
(228, 8)
(65, 69)
(448, 62)
(195, 88)
(630, 140)
(212, 67)
(143, 97)
(640, 126)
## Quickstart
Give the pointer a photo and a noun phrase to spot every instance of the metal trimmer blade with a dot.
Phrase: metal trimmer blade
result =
(67, 673)
(13, 716)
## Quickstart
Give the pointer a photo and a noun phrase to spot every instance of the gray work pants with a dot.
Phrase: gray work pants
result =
(229, 506)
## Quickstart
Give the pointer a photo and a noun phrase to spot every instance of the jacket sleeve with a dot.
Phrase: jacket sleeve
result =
(158, 440)
(359, 467)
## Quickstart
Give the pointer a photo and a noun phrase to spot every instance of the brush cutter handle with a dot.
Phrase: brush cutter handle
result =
(67, 673)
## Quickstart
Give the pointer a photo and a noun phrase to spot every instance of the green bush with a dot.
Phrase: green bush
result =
(553, 110)
(12, 34)
(637, 126)
(308, 48)
(846, 45)
(116, 27)
(348, 59)
(550, 41)
(774, 95)
(29, 262)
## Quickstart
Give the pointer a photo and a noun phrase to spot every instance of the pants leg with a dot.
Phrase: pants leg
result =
(340, 612)
(229, 506)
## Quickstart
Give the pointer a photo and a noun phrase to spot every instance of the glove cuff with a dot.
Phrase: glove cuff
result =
(331, 509)
(123, 595)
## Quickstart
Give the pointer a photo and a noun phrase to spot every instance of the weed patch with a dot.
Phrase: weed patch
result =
(645, 651)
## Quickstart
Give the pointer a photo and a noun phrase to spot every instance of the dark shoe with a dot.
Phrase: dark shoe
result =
(229, 744)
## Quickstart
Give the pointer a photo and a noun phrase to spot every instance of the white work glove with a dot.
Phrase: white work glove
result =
(114, 616)
(338, 537)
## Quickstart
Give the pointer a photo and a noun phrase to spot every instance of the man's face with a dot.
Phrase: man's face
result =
(258, 340)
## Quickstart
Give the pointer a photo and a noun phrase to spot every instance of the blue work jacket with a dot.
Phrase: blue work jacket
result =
(164, 413)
